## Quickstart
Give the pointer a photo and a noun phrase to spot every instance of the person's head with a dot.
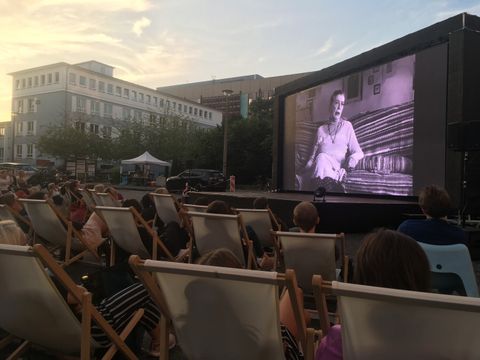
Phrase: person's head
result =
(220, 257)
(10, 200)
(260, 203)
(38, 195)
(434, 201)
(147, 201)
(99, 188)
(219, 207)
(11, 234)
(337, 102)
(161, 190)
(390, 259)
(132, 203)
(305, 216)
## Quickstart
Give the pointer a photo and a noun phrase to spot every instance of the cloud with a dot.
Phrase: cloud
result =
(139, 25)
(340, 53)
(324, 48)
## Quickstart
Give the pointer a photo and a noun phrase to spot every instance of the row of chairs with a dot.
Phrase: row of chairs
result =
(220, 313)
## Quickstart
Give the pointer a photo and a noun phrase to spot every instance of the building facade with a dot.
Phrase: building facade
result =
(87, 96)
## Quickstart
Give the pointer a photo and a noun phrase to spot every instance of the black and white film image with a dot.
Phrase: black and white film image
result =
(355, 134)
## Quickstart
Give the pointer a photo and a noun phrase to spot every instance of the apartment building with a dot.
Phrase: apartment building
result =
(88, 97)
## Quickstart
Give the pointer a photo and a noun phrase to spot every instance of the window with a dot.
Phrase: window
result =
(92, 84)
(2, 154)
(126, 113)
(24, 83)
(174, 105)
(126, 93)
(200, 112)
(190, 110)
(195, 111)
(179, 107)
(210, 115)
(185, 108)
(353, 86)
(81, 104)
(80, 126)
(94, 129)
(29, 150)
(17, 84)
(2, 131)
(31, 105)
(168, 104)
(138, 115)
(19, 151)
(140, 97)
(35, 81)
(49, 78)
(205, 114)
(57, 77)
(29, 82)
(95, 107)
(134, 95)
(101, 86)
(72, 78)
(110, 88)
(107, 110)
(161, 102)
(107, 132)
(19, 128)
(42, 79)
(155, 101)
(30, 126)
(20, 106)
(118, 91)
(82, 81)
(148, 99)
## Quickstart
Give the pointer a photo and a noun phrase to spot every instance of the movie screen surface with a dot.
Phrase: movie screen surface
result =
(355, 134)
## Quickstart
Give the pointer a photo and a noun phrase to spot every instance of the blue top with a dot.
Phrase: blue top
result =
(433, 231)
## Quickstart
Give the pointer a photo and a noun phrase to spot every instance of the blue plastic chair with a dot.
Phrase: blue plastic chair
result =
(453, 259)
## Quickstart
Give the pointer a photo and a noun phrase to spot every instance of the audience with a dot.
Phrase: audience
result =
(386, 258)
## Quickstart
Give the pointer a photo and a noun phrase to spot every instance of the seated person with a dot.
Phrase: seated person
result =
(436, 205)
(389, 259)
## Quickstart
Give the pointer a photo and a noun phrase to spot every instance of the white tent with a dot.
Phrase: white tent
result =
(146, 159)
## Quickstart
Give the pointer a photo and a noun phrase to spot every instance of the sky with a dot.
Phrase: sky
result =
(163, 42)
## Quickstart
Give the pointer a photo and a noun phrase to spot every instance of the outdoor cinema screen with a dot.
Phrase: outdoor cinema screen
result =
(355, 134)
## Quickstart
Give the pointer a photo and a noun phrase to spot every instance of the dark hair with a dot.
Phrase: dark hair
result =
(335, 93)
(202, 200)
(260, 203)
(388, 258)
(38, 195)
(434, 201)
(134, 203)
(219, 207)
(7, 198)
(147, 201)
(305, 216)
(220, 257)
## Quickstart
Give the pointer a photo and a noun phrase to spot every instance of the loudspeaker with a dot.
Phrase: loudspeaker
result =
(463, 136)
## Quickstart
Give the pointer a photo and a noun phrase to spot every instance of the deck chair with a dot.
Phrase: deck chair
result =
(165, 207)
(49, 224)
(310, 254)
(122, 225)
(196, 208)
(381, 323)
(453, 259)
(260, 220)
(107, 200)
(221, 313)
(96, 199)
(32, 308)
(87, 199)
(215, 231)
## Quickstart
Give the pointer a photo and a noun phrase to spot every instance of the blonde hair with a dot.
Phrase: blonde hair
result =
(11, 234)
(99, 188)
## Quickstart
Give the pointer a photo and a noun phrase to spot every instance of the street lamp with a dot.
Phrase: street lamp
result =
(227, 94)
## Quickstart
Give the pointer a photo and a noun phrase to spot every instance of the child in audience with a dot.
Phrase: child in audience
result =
(386, 258)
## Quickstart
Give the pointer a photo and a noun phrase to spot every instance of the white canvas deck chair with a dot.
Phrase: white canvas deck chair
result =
(221, 313)
(454, 259)
(96, 199)
(107, 200)
(32, 308)
(310, 254)
(196, 208)
(87, 199)
(381, 323)
(260, 220)
(122, 225)
(165, 207)
(49, 224)
(215, 231)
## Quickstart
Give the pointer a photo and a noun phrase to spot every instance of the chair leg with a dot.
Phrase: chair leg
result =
(19, 351)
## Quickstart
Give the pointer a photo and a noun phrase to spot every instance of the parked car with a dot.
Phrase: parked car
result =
(199, 179)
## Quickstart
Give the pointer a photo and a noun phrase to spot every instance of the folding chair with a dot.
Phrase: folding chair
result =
(107, 200)
(165, 206)
(453, 259)
(310, 254)
(49, 224)
(221, 313)
(260, 220)
(215, 231)
(122, 224)
(96, 199)
(87, 199)
(381, 323)
(196, 208)
(33, 309)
